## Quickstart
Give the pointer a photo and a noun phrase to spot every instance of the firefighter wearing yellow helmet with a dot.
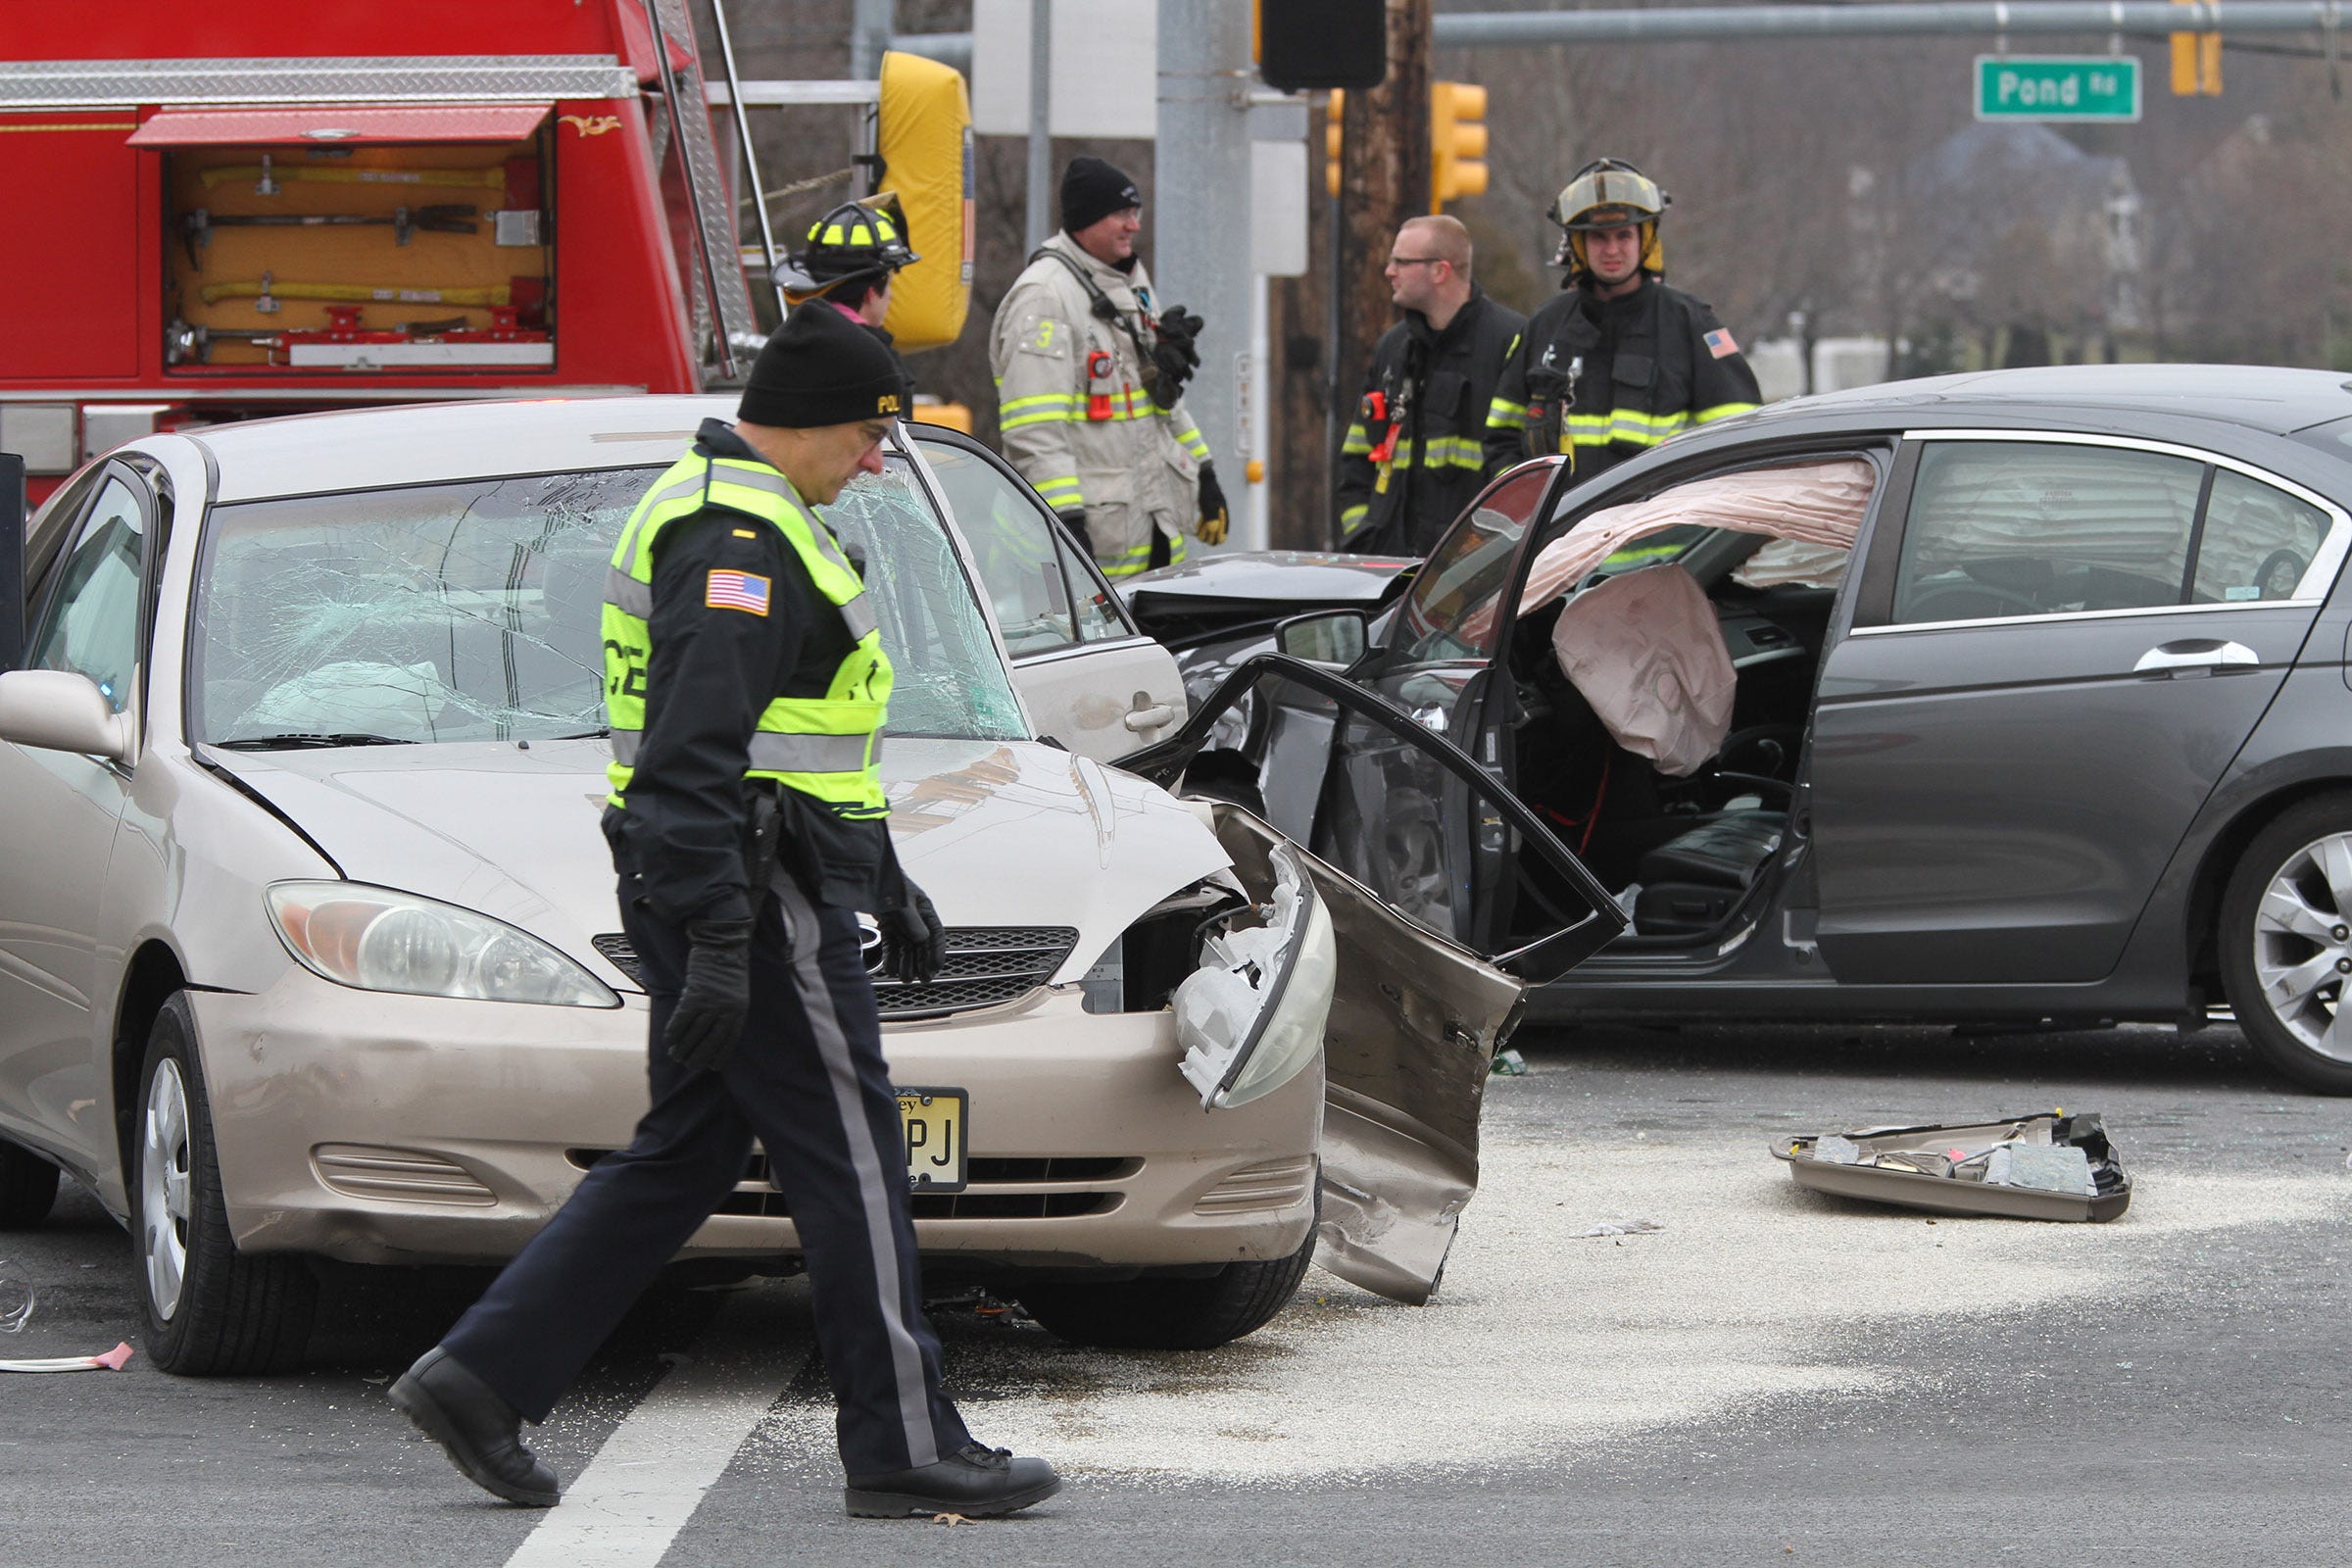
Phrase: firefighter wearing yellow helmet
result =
(1618, 361)
(853, 253)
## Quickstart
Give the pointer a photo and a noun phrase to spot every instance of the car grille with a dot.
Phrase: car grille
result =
(1259, 1188)
(993, 1191)
(985, 965)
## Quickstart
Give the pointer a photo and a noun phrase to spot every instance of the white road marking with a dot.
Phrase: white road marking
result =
(651, 1473)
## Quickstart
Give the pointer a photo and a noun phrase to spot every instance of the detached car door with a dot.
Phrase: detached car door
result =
(1416, 1012)
(1092, 680)
(2059, 644)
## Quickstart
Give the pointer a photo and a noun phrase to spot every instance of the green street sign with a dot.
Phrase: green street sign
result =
(2058, 87)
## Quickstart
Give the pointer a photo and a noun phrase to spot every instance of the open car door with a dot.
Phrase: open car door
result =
(1417, 1013)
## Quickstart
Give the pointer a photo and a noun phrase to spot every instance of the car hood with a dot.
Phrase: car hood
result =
(1303, 575)
(513, 832)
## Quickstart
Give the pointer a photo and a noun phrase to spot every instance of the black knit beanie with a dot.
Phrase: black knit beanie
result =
(1091, 191)
(822, 369)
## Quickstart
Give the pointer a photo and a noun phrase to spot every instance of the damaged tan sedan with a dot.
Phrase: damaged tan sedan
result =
(308, 942)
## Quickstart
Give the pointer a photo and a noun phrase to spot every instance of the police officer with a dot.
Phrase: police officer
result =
(852, 256)
(1089, 385)
(1619, 362)
(1415, 454)
(746, 686)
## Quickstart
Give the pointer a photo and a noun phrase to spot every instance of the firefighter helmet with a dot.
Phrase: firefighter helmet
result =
(855, 240)
(1609, 193)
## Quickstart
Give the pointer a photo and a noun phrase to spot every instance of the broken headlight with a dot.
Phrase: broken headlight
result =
(1251, 1015)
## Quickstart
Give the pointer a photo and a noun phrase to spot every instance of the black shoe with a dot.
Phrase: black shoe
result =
(975, 1481)
(481, 1431)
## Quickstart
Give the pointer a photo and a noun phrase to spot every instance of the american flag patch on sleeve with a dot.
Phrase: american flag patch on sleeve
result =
(1719, 343)
(737, 590)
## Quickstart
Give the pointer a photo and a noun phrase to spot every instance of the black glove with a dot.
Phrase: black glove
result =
(1075, 520)
(708, 1017)
(1174, 359)
(914, 941)
(1213, 518)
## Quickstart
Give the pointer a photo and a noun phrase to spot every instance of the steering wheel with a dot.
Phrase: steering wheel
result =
(1990, 595)
(2271, 564)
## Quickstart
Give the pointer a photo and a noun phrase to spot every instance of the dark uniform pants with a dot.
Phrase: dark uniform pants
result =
(808, 1081)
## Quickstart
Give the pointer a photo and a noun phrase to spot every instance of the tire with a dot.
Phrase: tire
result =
(2285, 941)
(212, 1310)
(1171, 1314)
(28, 1188)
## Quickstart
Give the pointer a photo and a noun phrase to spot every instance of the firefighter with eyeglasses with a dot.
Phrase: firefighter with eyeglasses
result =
(1413, 455)
(1618, 361)
(1090, 376)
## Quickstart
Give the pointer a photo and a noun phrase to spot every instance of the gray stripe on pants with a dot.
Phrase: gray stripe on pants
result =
(833, 1048)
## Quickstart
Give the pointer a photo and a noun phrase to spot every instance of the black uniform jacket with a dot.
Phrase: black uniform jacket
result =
(1432, 388)
(709, 673)
(1619, 375)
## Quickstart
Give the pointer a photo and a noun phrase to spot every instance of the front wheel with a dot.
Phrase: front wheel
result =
(1164, 1314)
(211, 1309)
(2286, 941)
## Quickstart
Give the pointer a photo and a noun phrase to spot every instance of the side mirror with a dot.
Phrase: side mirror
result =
(1336, 638)
(60, 711)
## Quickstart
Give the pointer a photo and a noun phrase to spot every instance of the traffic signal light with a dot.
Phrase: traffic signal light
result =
(2196, 62)
(1331, 141)
(1458, 141)
(1322, 44)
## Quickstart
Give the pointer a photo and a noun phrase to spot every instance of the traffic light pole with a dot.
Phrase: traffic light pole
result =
(1199, 255)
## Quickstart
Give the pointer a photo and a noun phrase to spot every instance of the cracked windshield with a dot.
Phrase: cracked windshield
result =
(470, 611)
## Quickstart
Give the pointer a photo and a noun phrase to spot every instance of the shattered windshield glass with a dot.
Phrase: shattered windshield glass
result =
(470, 611)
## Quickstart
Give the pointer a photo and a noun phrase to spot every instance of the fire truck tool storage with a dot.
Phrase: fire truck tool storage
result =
(274, 209)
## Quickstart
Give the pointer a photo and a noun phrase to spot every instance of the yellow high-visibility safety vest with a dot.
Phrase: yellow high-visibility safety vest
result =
(825, 747)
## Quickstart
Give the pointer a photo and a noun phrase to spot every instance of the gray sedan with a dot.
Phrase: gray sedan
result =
(2017, 698)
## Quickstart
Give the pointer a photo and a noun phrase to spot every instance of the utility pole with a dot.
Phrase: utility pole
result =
(1384, 180)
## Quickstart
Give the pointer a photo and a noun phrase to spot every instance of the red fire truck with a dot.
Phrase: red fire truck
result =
(280, 206)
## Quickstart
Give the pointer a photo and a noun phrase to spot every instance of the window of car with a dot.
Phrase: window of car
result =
(2006, 528)
(2256, 541)
(89, 621)
(1449, 612)
(472, 610)
(1045, 598)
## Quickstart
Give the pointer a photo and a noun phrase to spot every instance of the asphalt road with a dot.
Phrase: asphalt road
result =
(1770, 1376)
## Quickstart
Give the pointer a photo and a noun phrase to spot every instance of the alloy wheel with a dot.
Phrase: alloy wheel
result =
(163, 1188)
(2303, 945)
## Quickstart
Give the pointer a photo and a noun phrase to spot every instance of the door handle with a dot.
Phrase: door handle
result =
(1140, 720)
(2195, 653)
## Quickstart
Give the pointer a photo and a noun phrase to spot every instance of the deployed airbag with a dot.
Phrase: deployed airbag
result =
(1646, 652)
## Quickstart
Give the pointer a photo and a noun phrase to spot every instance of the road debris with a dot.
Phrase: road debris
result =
(2047, 1166)
(111, 1361)
(1621, 1227)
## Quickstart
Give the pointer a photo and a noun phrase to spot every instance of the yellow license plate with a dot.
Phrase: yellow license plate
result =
(933, 1120)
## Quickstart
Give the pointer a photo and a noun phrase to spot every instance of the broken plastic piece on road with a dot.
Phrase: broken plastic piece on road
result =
(1508, 1063)
(15, 1305)
(1621, 1227)
(2047, 1166)
(111, 1361)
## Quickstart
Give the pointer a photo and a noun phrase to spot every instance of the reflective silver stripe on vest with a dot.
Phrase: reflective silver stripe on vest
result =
(627, 595)
(859, 616)
(723, 471)
(774, 751)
